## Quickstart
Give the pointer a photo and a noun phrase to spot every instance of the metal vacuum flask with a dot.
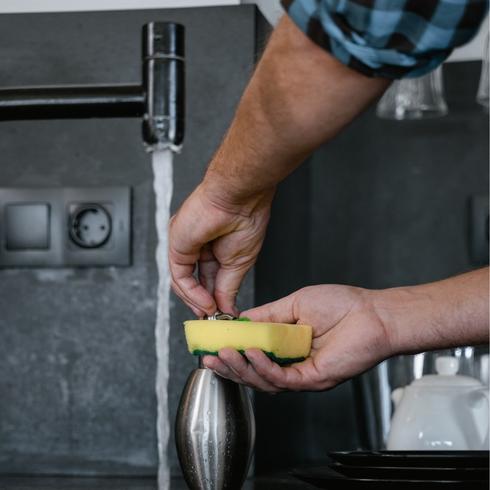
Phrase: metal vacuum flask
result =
(215, 432)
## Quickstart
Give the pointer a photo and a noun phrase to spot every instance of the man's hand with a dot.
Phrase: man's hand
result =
(348, 338)
(222, 240)
(298, 98)
(354, 329)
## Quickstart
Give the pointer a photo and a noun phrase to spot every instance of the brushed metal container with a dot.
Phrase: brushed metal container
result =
(214, 432)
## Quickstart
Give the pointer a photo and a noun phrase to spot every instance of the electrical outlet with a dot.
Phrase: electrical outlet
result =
(90, 225)
(65, 227)
(479, 229)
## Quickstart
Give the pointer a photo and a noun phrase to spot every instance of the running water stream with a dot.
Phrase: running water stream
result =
(162, 185)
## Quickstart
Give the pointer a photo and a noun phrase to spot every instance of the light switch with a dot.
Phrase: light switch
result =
(27, 226)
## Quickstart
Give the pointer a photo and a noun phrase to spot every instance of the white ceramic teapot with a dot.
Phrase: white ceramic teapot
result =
(444, 411)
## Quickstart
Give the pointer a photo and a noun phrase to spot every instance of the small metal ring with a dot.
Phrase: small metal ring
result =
(220, 316)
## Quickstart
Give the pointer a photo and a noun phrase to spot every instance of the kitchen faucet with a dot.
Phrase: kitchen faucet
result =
(159, 100)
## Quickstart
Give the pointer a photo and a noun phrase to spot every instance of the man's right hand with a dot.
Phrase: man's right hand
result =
(219, 239)
(298, 98)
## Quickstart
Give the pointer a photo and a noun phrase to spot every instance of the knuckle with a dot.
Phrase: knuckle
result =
(252, 377)
(243, 374)
(261, 371)
(239, 370)
(269, 377)
(248, 374)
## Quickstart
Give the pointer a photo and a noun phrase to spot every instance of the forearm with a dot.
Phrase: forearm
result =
(438, 315)
(298, 98)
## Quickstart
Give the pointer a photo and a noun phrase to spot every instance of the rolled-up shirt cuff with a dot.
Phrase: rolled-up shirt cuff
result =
(351, 47)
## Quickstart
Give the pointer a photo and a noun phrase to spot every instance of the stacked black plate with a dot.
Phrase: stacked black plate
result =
(401, 470)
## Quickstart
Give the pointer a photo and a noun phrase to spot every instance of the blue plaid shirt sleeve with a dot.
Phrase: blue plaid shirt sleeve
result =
(389, 38)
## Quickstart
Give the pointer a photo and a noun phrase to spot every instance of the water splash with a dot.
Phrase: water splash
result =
(162, 185)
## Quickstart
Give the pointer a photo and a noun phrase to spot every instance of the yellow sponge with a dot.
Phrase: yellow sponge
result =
(282, 342)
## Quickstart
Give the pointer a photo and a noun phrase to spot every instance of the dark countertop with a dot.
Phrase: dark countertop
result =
(59, 483)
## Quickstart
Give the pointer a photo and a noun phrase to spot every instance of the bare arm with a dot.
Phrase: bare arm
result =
(298, 98)
(437, 315)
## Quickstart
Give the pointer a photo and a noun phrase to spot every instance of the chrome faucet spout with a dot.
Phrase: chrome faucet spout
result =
(164, 84)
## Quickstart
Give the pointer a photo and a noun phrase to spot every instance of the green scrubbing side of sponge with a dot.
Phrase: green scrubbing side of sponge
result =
(279, 360)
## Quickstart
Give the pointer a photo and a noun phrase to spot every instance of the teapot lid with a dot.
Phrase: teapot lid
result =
(447, 368)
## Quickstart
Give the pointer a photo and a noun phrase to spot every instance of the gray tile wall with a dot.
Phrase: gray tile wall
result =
(77, 363)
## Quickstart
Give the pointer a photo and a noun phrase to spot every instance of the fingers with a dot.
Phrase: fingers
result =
(185, 285)
(280, 311)
(285, 378)
(226, 288)
(219, 367)
(178, 291)
(190, 290)
(256, 370)
(302, 376)
(208, 268)
(224, 244)
(236, 367)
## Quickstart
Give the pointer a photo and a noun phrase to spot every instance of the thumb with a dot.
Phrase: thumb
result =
(280, 311)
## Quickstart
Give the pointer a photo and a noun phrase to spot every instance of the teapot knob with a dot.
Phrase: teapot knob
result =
(447, 365)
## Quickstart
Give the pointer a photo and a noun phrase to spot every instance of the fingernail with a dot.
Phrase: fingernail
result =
(250, 357)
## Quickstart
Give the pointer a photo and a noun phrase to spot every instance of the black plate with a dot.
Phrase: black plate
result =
(324, 477)
(418, 459)
(410, 473)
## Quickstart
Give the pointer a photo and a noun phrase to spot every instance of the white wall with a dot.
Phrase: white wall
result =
(15, 6)
(474, 49)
